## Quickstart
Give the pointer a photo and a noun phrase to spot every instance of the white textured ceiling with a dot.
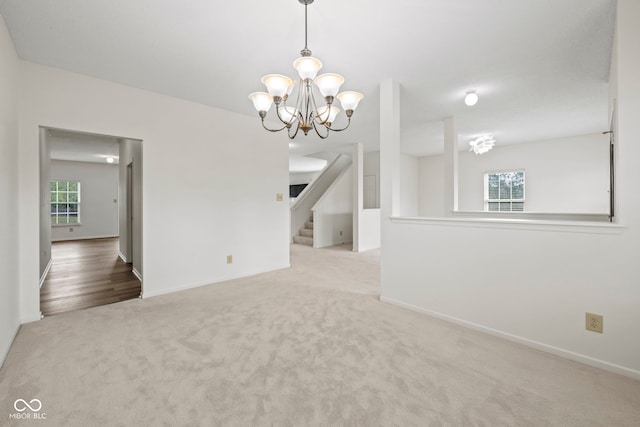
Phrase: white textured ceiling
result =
(540, 67)
(301, 164)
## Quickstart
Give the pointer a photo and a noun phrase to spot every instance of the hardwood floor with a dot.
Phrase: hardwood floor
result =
(86, 273)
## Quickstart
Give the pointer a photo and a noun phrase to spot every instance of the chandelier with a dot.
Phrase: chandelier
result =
(305, 114)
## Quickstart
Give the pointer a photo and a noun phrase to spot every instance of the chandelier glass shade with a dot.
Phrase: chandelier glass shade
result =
(304, 113)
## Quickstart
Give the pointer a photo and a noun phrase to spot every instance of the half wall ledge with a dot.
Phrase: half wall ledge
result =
(562, 226)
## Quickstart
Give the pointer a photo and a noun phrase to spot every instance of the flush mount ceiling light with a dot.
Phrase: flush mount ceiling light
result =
(482, 144)
(305, 114)
(471, 98)
(110, 160)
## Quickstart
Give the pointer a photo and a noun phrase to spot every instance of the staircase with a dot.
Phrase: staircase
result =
(306, 234)
(301, 208)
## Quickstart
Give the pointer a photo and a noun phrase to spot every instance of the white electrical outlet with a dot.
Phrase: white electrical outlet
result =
(594, 322)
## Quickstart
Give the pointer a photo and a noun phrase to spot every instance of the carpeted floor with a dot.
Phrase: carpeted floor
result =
(307, 346)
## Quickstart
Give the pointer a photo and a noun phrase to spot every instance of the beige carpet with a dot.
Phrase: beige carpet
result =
(308, 346)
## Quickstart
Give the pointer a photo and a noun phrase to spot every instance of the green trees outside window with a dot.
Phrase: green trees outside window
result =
(65, 202)
(504, 191)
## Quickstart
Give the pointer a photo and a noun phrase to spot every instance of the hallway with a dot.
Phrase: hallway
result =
(86, 273)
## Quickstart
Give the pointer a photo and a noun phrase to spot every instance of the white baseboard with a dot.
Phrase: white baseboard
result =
(46, 271)
(66, 239)
(133, 270)
(122, 257)
(149, 294)
(576, 357)
(33, 318)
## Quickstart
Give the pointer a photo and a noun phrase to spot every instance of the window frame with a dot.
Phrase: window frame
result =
(499, 200)
(68, 213)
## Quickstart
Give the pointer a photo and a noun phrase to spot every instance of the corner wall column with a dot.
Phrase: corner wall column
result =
(389, 173)
(358, 202)
(389, 149)
(450, 167)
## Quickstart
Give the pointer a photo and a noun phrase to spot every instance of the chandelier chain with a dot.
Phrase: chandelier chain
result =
(305, 51)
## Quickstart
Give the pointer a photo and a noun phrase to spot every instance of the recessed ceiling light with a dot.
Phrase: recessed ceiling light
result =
(471, 98)
(110, 160)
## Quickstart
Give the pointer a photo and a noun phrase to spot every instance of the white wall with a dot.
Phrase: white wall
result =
(333, 213)
(371, 167)
(579, 165)
(370, 229)
(431, 186)
(366, 222)
(210, 179)
(408, 185)
(130, 153)
(9, 212)
(550, 273)
(45, 204)
(98, 199)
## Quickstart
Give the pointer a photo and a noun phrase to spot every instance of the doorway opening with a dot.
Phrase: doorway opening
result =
(90, 220)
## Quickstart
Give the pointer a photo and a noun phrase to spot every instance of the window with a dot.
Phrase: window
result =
(504, 191)
(65, 202)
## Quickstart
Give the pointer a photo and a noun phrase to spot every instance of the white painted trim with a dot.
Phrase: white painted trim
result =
(29, 319)
(516, 224)
(64, 239)
(540, 216)
(211, 282)
(5, 351)
(137, 274)
(576, 357)
(46, 271)
(122, 257)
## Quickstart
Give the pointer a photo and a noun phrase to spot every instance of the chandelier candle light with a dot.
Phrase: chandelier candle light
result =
(305, 114)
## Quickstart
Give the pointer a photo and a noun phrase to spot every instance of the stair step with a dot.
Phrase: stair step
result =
(303, 240)
(306, 232)
(308, 225)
